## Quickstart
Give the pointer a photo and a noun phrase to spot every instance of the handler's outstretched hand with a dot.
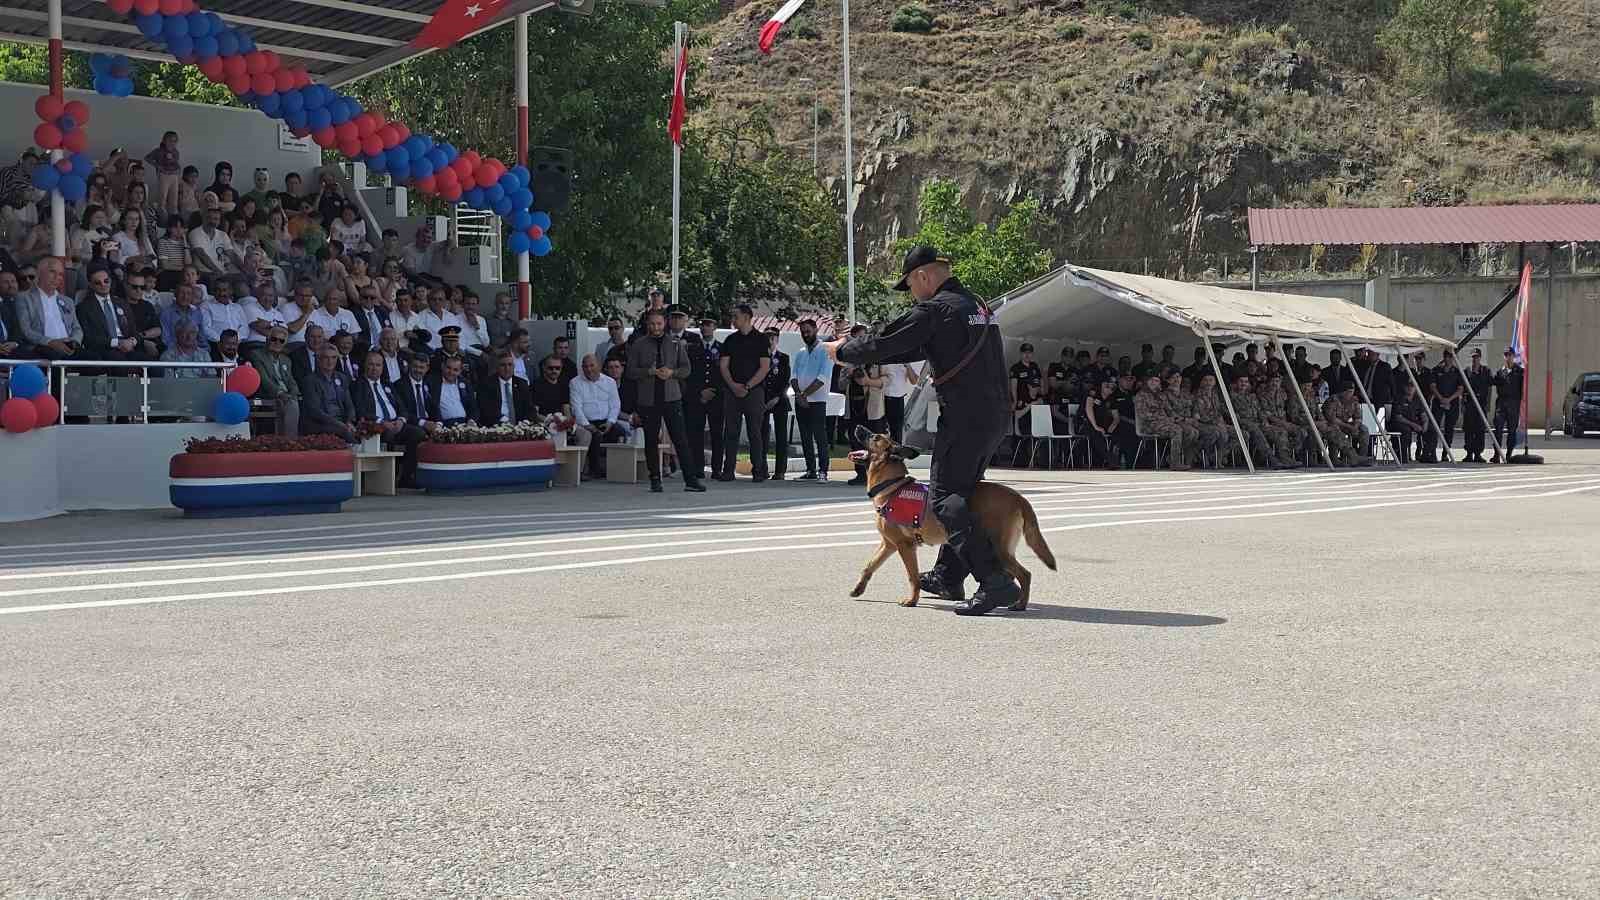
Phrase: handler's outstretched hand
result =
(833, 347)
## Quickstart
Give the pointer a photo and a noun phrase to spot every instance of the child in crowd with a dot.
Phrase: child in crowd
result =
(189, 192)
(172, 250)
(169, 171)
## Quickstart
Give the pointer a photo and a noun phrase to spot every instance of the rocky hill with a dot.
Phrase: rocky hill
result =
(1148, 128)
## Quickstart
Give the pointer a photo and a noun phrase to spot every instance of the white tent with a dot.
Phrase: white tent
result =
(1079, 307)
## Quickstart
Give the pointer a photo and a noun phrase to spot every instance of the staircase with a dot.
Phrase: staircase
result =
(476, 237)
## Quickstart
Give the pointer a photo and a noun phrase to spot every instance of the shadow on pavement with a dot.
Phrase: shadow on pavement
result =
(1145, 618)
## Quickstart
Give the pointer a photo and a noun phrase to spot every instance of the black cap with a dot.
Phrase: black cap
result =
(1346, 385)
(708, 321)
(675, 311)
(450, 331)
(1476, 352)
(1027, 348)
(1511, 351)
(920, 255)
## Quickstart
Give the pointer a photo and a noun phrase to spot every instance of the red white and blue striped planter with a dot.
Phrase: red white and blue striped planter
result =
(476, 467)
(261, 484)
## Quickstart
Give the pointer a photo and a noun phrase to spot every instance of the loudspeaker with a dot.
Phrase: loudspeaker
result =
(551, 168)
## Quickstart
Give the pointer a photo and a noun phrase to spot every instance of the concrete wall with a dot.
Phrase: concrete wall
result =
(209, 134)
(1432, 304)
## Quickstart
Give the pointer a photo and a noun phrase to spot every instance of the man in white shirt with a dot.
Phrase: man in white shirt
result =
(299, 316)
(46, 318)
(213, 252)
(597, 411)
(521, 344)
(261, 312)
(452, 398)
(812, 372)
(474, 328)
(435, 317)
(417, 258)
(901, 379)
(332, 315)
(222, 314)
(403, 317)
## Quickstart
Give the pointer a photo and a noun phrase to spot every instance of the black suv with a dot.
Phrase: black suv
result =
(1581, 409)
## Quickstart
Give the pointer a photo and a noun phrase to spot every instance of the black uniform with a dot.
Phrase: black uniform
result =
(776, 386)
(1446, 381)
(1428, 444)
(1026, 382)
(1480, 381)
(694, 411)
(1508, 383)
(973, 409)
(711, 356)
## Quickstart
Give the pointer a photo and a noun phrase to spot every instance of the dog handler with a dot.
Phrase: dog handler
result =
(955, 331)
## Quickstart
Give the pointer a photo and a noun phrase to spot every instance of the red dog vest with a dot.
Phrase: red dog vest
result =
(907, 506)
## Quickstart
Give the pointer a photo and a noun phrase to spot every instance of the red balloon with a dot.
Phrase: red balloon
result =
(445, 175)
(485, 174)
(283, 80)
(47, 136)
(401, 130)
(47, 408)
(451, 191)
(18, 415)
(389, 136)
(302, 78)
(233, 66)
(212, 68)
(78, 110)
(244, 379)
(254, 62)
(262, 83)
(239, 84)
(147, 7)
(364, 124)
(325, 137)
(347, 132)
(76, 142)
(170, 7)
(120, 7)
(462, 167)
(270, 62)
(64, 166)
(535, 232)
(371, 145)
(49, 107)
(351, 149)
(427, 185)
(300, 132)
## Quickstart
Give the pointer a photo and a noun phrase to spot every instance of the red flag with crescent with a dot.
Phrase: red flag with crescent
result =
(454, 20)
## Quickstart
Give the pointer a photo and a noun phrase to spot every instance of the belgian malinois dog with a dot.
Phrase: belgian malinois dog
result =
(1000, 511)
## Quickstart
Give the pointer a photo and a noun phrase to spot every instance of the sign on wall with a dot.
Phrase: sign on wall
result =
(1465, 324)
(287, 140)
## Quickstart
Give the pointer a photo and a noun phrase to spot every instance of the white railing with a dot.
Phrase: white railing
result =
(144, 377)
(479, 233)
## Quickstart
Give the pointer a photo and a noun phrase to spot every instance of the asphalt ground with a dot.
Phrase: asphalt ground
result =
(1371, 683)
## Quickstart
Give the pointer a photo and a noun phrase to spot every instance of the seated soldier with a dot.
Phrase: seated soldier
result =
(1150, 408)
(1409, 419)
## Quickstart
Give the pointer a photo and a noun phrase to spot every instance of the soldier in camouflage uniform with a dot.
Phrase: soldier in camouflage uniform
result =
(1150, 408)
(1340, 453)
(1343, 414)
(1271, 445)
(1180, 408)
(1277, 412)
(1210, 414)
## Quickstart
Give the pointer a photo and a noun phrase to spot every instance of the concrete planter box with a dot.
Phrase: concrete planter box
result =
(261, 484)
(473, 467)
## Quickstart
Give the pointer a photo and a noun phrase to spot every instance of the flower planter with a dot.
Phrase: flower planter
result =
(261, 484)
(478, 467)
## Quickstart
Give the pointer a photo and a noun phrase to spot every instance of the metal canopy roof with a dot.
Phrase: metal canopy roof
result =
(1425, 225)
(338, 41)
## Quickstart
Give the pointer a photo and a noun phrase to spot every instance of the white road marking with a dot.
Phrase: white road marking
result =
(733, 551)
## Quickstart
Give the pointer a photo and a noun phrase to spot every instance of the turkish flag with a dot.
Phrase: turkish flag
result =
(454, 20)
(679, 110)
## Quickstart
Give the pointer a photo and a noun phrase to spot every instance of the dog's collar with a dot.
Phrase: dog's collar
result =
(883, 487)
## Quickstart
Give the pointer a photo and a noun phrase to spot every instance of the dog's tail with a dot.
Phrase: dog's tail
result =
(1036, 542)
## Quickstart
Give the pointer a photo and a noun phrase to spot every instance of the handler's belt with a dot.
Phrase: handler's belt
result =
(908, 505)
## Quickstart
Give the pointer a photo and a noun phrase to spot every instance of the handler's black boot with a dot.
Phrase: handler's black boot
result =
(999, 590)
(933, 584)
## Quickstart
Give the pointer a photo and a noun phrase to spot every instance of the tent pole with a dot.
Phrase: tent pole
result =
(1427, 408)
(1476, 405)
(1222, 385)
(1311, 421)
(1366, 398)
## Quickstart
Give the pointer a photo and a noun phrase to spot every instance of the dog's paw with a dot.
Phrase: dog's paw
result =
(909, 601)
(858, 590)
(1019, 606)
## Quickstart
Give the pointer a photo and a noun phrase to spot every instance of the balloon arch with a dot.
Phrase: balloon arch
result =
(228, 55)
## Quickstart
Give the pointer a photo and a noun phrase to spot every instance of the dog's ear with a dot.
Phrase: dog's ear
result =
(862, 435)
(907, 452)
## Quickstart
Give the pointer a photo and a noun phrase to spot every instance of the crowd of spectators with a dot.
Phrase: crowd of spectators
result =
(1115, 406)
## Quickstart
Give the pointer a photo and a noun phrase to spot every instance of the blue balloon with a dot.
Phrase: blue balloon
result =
(126, 88)
(150, 26)
(46, 177)
(214, 24)
(414, 147)
(473, 197)
(227, 42)
(437, 157)
(541, 247)
(518, 242)
(319, 119)
(494, 193)
(338, 114)
(294, 101)
(502, 207)
(72, 188)
(82, 165)
(311, 96)
(295, 119)
(397, 156)
(450, 152)
(175, 26)
(100, 64)
(353, 105)
(521, 220)
(522, 198)
(66, 123)
(508, 183)
(206, 47)
(230, 408)
(421, 168)
(521, 173)
(181, 45)
(199, 25)
(400, 170)
(541, 219)
(378, 163)
(247, 42)
(270, 104)
(27, 382)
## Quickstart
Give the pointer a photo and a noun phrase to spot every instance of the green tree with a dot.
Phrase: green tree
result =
(1434, 38)
(30, 64)
(1512, 33)
(174, 81)
(989, 261)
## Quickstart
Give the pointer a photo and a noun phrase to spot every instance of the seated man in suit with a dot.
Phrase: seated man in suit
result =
(278, 384)
(505, 398)
(375, 402)
(10, 333)
(372, 318)
(106, 331)
(327, 407)
(226, 349)
(450, 340)
(451, 399)
(142, 315)
(304, 357)
(46, 317)
(413, 395)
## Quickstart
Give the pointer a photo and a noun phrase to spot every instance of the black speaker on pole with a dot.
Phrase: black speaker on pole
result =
(551, 168)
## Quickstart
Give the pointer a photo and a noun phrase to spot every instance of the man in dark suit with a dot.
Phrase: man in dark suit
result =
(304, 357)
(327, 407)
(106, 331)
(413, 395)
(450, 348)
(777, 386)
(10, 335)
(694, 409)
(142, 315)
(450, 398)
(372, 318)
(375, 402)
(505, 398)
(226, 348)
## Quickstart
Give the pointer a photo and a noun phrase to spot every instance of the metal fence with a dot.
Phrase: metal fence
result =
(479, 233)
(100, 395)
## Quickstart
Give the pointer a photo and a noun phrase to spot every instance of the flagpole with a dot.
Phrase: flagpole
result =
(520, 63)
(680, 32)
(849, 177)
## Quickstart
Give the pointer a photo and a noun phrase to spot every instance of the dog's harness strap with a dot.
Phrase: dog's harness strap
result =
(893, 484)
